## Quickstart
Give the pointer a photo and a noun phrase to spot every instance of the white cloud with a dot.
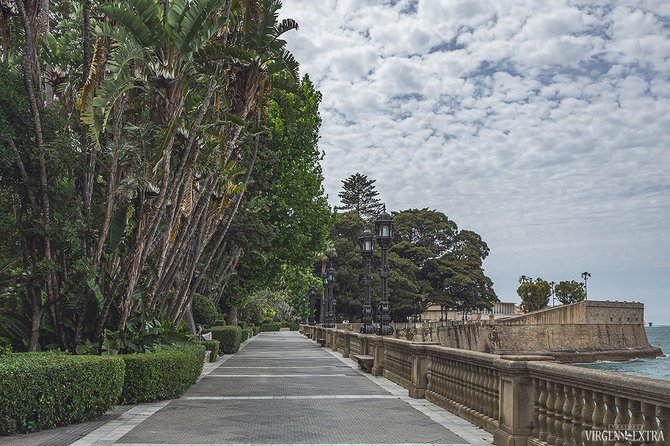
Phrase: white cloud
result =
(540, 124)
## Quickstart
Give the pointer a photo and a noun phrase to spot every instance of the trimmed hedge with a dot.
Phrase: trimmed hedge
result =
(213, 346)
(247, 333)
(161, 375)
(229, 338)
(40, 390)
(275, 326)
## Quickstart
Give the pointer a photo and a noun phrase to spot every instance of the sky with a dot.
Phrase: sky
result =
(542, 125)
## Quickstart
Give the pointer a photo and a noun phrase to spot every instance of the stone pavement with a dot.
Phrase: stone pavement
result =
(282, 389)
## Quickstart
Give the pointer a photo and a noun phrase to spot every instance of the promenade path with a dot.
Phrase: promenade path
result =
(283, 389)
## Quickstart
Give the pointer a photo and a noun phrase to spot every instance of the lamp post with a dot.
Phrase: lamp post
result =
(329, 321)
(312, 305)
(384, 233)
(367, 243)
(303, 319)
(324, 298)
(333, 301)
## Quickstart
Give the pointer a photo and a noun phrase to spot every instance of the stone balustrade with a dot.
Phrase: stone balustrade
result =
(523, 400)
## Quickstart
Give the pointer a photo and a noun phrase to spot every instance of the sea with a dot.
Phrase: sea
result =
(657, 368)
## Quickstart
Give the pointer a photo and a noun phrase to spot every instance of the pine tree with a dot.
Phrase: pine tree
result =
(359, 194)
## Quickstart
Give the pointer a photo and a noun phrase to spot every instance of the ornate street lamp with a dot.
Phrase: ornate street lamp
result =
(324, 299)
(312, 305)
(384, 233)
(303, 319)
(329, 322)
(367, 244)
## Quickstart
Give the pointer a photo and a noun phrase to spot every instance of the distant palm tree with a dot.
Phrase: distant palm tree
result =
(552, 284)
(585, 276)
(525, 279)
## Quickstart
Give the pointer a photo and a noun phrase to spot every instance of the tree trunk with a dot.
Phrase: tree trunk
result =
(231, 316)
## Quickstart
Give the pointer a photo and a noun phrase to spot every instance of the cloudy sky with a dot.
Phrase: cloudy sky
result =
(543, 125)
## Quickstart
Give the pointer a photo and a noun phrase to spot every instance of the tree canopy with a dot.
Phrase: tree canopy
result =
(360, 194)
(431, 262)
(150, 150)
(570, 291)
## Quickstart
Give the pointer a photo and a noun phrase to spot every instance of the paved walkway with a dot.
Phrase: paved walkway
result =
(282, 389)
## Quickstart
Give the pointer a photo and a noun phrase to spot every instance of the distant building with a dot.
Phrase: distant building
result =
(501, 310)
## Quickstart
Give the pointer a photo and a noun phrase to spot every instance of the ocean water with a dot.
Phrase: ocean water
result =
(657, 368)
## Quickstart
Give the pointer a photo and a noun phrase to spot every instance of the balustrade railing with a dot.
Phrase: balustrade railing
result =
(523, 400)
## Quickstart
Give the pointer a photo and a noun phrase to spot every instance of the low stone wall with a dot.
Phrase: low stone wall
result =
(522, 400)
(566, 342)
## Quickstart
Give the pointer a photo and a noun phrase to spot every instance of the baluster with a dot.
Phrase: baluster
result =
(598, 416)
(558, 414)
(490, 392)
(496, 396)
(663, 415)
(551, 411)
(536, 408)
(480, 390)
(542, 416)
(610, 416)
(587, 415)
(622, 417)
(577, 409)
(567, 416)
(636, 421)
(649, 424)
(451, 380)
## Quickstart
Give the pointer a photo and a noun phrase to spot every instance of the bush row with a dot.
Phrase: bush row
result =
(229, 337)
(275, 326)
(161, 375)
(41, 390)
(247, 333)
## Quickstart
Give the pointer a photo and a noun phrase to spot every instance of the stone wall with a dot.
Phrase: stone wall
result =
(587, 312)
(586, 331)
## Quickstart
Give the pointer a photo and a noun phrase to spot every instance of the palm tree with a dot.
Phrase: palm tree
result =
(585, 276)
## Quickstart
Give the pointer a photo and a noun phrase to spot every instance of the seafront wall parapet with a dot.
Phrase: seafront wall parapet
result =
(522, 399)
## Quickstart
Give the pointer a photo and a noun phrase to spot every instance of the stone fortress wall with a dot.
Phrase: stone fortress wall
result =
(582, 332)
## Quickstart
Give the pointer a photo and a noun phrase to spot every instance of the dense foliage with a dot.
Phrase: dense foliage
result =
(570, 291)
(229, 337)
(161, 375)
(40, 390)
(431, 262)
(150, 150)
(534, 294)
(204, 310)
(360, 194)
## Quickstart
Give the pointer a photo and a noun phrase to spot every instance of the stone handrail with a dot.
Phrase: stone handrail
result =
(523, 400)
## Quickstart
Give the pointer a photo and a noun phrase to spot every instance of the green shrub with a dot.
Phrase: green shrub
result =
(204, 310)
(219, 323)
(229, 338)
(40, 390)
(162, 374)
(5, 349)
(294, 326)
(246, 333)
(213, 346)
(271, 326)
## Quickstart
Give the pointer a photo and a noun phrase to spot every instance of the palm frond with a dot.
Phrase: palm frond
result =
(132, 23)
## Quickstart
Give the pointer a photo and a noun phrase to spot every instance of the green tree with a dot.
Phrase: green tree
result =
(569, 292)
(534, 294)
(360, 194)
